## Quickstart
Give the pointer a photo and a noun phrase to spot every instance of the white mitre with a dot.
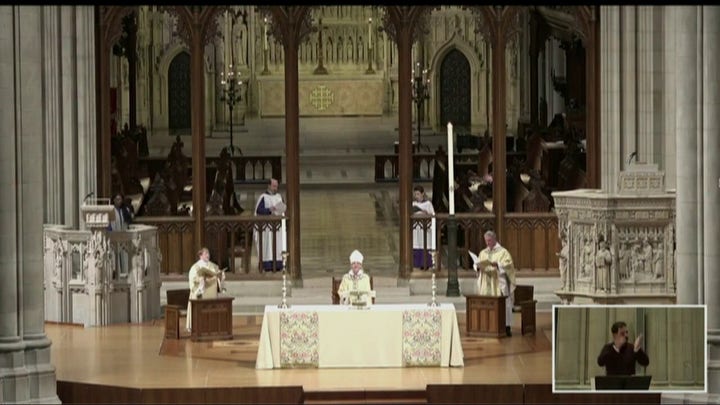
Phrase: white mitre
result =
(356, 256)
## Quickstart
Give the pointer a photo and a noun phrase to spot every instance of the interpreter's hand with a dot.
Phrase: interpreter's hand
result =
(638, 343)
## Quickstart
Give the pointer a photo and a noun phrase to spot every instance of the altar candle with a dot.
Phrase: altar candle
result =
(451, 170)
(370, 33)
(265, 40)
(433, 239)
(283, 231)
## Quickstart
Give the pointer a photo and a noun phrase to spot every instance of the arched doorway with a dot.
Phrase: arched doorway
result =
(455, 90)
(179, 95)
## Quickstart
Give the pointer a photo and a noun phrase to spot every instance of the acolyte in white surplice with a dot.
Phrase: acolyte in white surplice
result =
(421, 258)
(270, 204)
(424, 207)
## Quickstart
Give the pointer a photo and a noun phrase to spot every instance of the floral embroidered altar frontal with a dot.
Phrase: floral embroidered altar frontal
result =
(405, 335)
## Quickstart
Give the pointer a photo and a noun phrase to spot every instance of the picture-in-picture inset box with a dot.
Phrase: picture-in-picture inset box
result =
(629, 348)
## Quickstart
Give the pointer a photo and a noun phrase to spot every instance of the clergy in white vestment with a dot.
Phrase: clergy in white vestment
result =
(496, 274)
(355, 279)
(270, 203)
(123, 218)
(205, 279)
(422, 206)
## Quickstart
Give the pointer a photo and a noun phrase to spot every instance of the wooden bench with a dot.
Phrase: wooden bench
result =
(525, 305)
(177, 303)
(336, 284)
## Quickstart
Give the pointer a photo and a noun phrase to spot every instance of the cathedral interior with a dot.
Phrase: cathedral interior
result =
(584, 136)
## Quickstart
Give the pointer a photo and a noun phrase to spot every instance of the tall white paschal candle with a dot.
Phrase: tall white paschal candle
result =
(265, 39)
(283, 232)
(451, 170)
(369, 33)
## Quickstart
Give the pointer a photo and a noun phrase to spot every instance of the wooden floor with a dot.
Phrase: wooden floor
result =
(134, 364)
(138, 356)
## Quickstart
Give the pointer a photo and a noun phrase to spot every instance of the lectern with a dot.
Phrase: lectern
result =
(211, 318)
(485, 315)
(623, 382)
(98, 213)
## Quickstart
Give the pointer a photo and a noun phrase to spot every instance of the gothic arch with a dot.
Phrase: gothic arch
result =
(178, 95)
(163, 68)
(456, 42)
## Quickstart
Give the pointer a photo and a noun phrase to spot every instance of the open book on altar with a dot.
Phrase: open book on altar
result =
(358, 298)
(482, 264)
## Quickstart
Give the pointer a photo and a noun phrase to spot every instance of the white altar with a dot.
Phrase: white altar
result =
(339, 336)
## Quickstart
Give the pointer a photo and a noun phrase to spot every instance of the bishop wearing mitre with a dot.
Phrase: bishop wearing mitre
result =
(205, 279)
(355, 279)
(496, 274)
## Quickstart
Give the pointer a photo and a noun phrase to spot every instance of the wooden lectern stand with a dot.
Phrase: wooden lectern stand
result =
(485, 315)
(212, 318)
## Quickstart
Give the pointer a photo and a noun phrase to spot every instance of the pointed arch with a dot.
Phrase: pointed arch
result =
(476, 68)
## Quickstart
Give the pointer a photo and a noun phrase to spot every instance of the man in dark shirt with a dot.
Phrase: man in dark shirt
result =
(619, 357)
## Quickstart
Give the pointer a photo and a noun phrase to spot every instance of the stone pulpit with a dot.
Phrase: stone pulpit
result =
(618, 248)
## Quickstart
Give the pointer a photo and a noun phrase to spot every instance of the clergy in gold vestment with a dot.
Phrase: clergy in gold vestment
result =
(496, 274)
(205, 280)
(355, 279)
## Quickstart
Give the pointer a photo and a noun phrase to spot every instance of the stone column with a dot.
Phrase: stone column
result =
(86, 104)
(14, 384)
(610, 87)
(644, 79)
(686, 112)
(68, 118)
(70, 128)
(711, 186)
(52, 107)
(30, 183)
(628, 76)
(668, 106)
(25, 365)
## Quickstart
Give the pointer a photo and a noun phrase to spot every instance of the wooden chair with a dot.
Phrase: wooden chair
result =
(525, 305)
(177, 302)
(336, 284)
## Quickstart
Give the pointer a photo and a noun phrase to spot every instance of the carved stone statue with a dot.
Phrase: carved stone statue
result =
(624, 261)
(646, 256)
(138, 261)
(588, 253)
(636, 264)
(658, 261)
(563, 257)
(603, 261)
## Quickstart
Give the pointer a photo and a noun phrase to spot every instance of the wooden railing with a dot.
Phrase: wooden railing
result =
(229, 239)
(531, 238)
